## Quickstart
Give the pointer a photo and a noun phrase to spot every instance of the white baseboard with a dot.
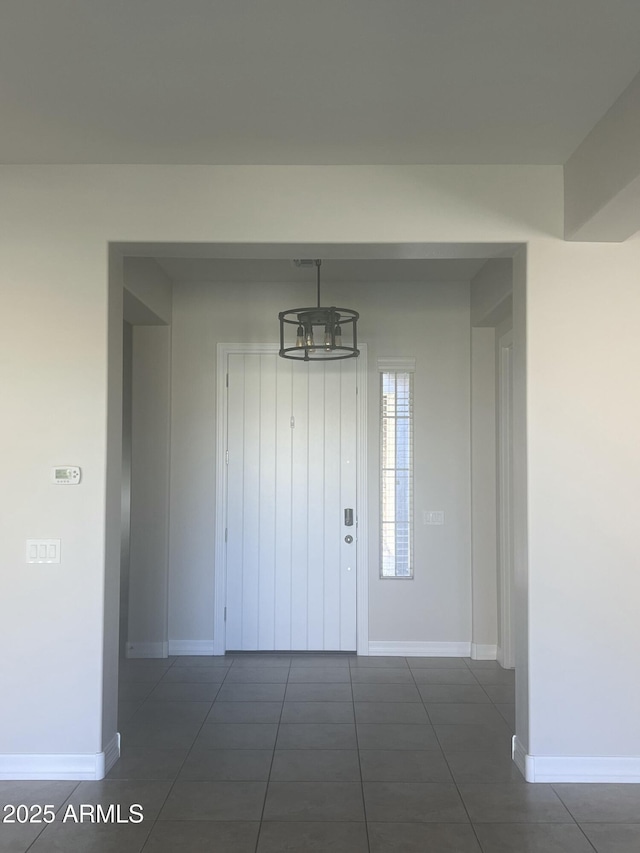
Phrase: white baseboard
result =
(521, 759)
(483, 651)
(576, 768)
(500, 657)
(190, 647)
(419, 649)
(111, 754)
(147, 650)
(60, 767)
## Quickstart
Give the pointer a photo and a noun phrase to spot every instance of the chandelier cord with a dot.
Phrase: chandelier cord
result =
(318, 262)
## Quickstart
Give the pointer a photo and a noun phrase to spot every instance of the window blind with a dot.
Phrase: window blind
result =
(396, 474)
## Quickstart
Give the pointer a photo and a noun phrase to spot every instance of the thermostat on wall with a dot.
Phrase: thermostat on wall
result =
(65, 475)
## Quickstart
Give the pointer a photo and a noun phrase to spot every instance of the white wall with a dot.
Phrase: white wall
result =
(105, 407)
(602, 176)
(150, 449)
(506, 326)
(55, 225)
(429, 322)
(491, 304)
(151, 287)
(483, 491)
(491, 292)
(583, 351)
(147, 299)
(522, 388)
(125, 549)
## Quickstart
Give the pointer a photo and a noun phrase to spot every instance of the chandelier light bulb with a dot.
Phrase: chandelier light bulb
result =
(309, 340)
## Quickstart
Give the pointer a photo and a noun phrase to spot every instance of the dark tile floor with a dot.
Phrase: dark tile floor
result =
(303, 753)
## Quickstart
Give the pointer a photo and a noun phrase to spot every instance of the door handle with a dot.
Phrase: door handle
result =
(348, 517)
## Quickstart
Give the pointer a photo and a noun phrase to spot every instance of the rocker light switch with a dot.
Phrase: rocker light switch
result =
(433, 516)
(43, 550)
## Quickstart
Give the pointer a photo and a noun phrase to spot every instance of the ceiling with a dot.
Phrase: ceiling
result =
(309, 81)
(341, 262)
(237, 270)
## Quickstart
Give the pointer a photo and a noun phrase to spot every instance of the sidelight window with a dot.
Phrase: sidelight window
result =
(396, 468)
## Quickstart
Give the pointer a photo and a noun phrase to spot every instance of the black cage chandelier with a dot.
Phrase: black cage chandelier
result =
(320, 333)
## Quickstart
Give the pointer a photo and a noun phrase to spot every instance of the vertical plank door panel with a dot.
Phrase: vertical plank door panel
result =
(291, 577)
(283, 497)
(300, 502)
(267, 502)
(333, 510)
(251, 501)
(315, 509)
(235, 500)
(348, 489)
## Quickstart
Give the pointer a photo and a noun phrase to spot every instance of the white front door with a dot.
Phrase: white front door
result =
(291, 474)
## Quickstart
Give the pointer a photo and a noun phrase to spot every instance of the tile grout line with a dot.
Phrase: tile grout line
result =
(173, 783)
(551, 823)
(574, 819)
(493, 704)
(355, 726)
(446, 760)
(75, 788)
(273, 755)
(59, 809)
(144, 844)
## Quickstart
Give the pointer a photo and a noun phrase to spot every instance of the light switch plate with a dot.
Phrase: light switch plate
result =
(433, 516)
(43, 550)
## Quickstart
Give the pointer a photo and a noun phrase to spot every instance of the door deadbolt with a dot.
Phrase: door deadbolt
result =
(348, 539)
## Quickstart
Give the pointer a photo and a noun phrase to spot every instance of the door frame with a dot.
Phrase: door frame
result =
(506, 651)
(224, 350)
